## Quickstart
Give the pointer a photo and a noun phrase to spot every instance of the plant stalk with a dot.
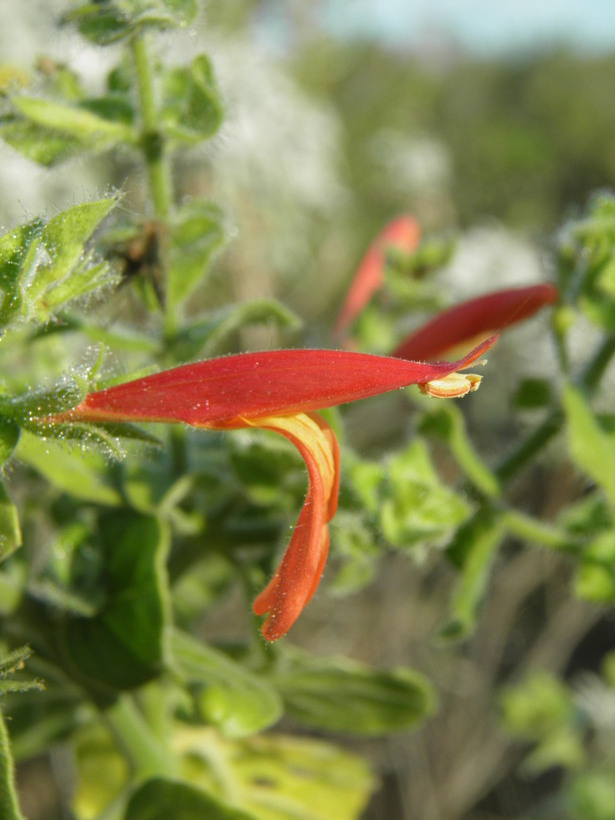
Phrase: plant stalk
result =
(152, 140)
(141, 746)
(9, 805)
(588, 381)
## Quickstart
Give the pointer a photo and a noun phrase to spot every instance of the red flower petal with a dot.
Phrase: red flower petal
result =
(402, 234)
(225, 392)
(475, 319)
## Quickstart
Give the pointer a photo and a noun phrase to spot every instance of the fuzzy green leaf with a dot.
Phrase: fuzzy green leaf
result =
(65, 234)
(161, 799)
(69, 273)
(237, 701)
(416, 508)
(87, 127)
(47, 146)
(107, 21)
(17, 250)
(122, 645)
(282, 778)
(39, 403)
(595, 579)
(82, 474)
(208, 333)
(196, 234)
(10, 531)
(336, 694)
(473, 550)
(9, 436)
(191, 109)
(591, 447)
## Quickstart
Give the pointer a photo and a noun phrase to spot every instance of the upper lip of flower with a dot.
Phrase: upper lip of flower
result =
(226, 391)
(474, 319)
(276, 390)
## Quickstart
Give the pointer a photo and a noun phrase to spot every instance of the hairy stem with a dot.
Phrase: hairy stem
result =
(9, 805)
(152, 140)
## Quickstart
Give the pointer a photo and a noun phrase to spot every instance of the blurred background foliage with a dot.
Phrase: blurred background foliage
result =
(322, 142)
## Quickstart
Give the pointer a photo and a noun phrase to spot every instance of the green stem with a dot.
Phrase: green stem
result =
(9, 805)
(591, 376)
(144, 750)
(530, 529)
(588, 381)
(531, 445)
(156, 160)
(152, 140)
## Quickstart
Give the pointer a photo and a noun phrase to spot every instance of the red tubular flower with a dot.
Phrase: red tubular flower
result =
(278, 390)
(402, 234)
(476, 319)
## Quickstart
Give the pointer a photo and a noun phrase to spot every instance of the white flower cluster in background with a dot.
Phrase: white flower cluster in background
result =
(276, 159)
(30, 189)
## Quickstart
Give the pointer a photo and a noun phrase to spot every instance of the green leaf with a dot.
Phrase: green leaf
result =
(47, 146)
(106, 21)
(83, 474)
(17, 249)
(65, 235)
(595, 579)
(9, 436)
(533, 394)
(39, 403)
(209, 333)
(90, 129)
(151, 486)
(162, 799)
(12, 665)
(592, 448)
(473, 549)
(447, 422)
(83, 280)
(592, 795)
(590, 243)
(282, 778)
(101, 22)
(69, 274)
(122, 646)
(10, 531)
(336, 694)
(235, 700)
(538, 706)
(587, 517)
(196, 234)
(191, 109)
(416, 508)
(113, 107)
(541, 709)
(102, 772)
(356, 548)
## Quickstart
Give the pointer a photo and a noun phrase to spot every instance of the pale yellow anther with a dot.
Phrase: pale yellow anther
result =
(452, 386)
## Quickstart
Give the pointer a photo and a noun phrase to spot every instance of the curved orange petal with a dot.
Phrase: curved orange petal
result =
(299, 572)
